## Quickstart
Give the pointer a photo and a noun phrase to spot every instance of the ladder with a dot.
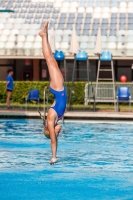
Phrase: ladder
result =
(80, 56)
(111, 97)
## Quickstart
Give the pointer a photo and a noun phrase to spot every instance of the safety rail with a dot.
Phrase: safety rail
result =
(90, 92)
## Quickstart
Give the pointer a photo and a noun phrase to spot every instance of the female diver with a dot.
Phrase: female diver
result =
(57, 88)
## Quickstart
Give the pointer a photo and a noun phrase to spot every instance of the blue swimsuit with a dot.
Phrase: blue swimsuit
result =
(60, 102)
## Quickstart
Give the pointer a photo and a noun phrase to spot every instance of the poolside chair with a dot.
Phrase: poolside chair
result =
(123, 95)
(33, 96)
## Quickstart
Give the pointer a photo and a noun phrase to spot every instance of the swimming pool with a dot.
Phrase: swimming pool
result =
(95, 161)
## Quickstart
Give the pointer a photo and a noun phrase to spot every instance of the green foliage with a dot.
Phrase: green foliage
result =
(78, 95)
(22, 88)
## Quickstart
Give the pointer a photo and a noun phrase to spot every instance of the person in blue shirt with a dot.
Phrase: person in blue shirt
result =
(57, 88)
(9, 86)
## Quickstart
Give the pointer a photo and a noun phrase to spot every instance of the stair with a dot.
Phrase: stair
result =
(98, 90)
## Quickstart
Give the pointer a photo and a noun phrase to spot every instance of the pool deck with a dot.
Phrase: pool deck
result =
(72, 115)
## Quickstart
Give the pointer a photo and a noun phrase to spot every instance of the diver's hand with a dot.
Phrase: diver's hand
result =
(53, 160)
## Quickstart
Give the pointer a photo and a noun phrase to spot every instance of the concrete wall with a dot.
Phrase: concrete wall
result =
(44, 74)
(36, 69)
(124, 71)
(5, 64)
(81, 70)
(20, 66)
(39, 69)
(93, 70)
(124, 68)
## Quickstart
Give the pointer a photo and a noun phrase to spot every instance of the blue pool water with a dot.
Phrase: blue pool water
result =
(95, 162)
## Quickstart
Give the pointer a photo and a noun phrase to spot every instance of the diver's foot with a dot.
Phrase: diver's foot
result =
(53, 160)
(44, 29)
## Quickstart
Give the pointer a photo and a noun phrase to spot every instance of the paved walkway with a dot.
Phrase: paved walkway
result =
(75, 115)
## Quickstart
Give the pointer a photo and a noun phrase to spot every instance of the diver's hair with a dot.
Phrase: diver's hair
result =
(46, 132)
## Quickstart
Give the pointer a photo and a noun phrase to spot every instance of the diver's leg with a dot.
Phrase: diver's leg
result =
(54, 71)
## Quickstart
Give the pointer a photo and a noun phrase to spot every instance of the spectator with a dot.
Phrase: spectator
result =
(9, 87)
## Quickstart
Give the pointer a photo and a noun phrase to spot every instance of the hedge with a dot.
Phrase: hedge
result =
(22, 88)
